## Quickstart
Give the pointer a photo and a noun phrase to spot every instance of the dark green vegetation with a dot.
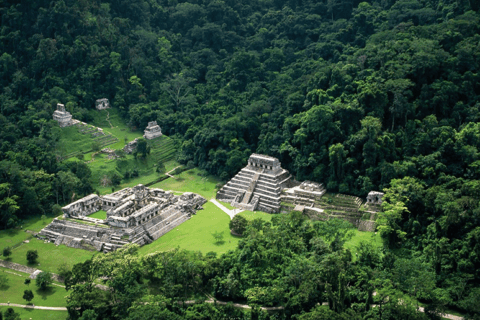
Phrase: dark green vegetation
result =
(357, 95)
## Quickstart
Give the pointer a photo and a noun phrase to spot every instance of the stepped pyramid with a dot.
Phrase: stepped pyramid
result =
(257, 186)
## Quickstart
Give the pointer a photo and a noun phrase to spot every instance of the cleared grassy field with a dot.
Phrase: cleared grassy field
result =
(359, 236)
(15, 236)
(99, 215)
(193, 180)
(196, 233)
(49, 255)
(33, 314)
(54, 296)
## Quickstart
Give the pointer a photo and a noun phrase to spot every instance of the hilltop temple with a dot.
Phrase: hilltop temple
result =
(63, 117)
(102, 104)
(134, 215)
(152, 130)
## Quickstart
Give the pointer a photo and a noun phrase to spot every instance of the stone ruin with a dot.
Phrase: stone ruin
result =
(375, 197)
(258, 186)
(63, 117)
(152, 131)
(131, 146)
(263, 185)
(102, 104)
(134, 215)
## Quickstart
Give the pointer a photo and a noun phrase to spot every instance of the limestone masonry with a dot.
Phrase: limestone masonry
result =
(152, 130)
(63, 117)
(263, 185)
(134, 215)
(258, 186)
(101, 104)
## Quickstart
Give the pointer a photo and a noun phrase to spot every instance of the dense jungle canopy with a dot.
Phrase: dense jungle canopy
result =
(361, 96)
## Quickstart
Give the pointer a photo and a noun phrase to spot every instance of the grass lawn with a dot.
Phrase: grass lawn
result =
(195, 234)
(34, 314)
(250, 215)
(15, 236)
(360, 236)
(54, 296)
(98, 215)
(49, 255)
(193, 180)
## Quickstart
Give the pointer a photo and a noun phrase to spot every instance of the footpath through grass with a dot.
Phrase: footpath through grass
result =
(26, 313)
(12, 292)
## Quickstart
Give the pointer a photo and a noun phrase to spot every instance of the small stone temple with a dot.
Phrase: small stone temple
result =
(134, 215)
(63, 117)
(152, 130)
(101, 104)
(375, 197)
(258, 186)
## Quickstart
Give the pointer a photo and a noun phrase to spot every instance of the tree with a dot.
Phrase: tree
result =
(10, 314)
(32, 256)
(238, 224)
(218, 236)
(27, 281)
(28, 295)
(7, 251)
(43, 280)
(161, 167)
(143, 149)
(3, 280)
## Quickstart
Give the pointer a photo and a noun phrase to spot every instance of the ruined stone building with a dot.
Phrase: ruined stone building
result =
(134, 215)
(102, 104)
(258, 186)
(63, 117)
(263, 185)
(152, 131)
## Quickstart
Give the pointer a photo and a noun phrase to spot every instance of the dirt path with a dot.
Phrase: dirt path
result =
(108, 119)
(168, 173)
(231, 213)
(33, 307)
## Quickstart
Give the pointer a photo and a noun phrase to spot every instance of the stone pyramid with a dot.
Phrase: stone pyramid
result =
(258, 186)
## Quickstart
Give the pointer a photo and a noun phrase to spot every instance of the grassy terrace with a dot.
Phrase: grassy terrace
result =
(195, 234)
(54, 296)
(99, 215)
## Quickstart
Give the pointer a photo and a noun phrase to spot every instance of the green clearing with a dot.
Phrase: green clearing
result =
(15, 236)
(195, 234)
(250, 215)
(162, 149)
(50, 256)
(99, 215)
(193, 180)
(35, 314)
(360, 236)
(54, 296)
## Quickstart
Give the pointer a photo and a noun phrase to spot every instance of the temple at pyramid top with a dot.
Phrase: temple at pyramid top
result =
(258, 186)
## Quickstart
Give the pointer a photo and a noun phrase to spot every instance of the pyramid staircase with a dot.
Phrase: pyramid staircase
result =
(255, 189)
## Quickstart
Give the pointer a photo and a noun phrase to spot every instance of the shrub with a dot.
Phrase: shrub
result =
(238, 224)
(7, 251)
(32, 256)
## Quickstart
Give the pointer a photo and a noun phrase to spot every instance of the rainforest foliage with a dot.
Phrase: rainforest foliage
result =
(361, 96)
